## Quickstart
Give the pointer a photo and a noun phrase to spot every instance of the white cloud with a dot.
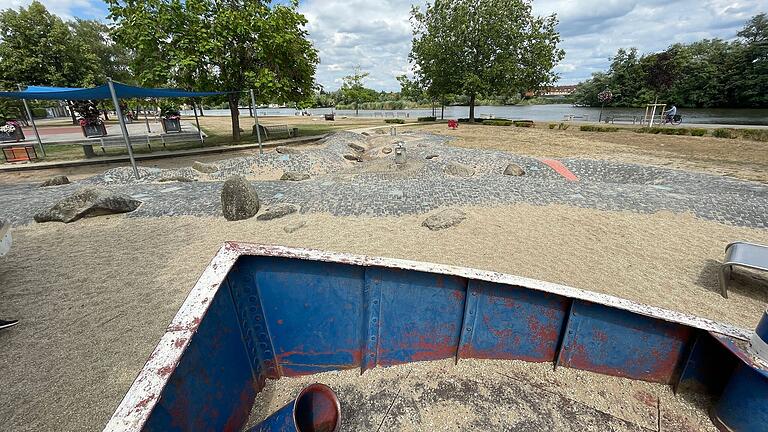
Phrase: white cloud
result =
(67, 9)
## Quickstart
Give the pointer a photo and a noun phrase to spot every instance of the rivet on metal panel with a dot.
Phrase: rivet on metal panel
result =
(471, 304)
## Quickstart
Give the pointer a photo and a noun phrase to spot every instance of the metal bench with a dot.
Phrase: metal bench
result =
(269, 132)
(743, 254)
(627, 119)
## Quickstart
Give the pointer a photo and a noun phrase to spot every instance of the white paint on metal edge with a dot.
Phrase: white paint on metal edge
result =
(502, 278)
(759, 348)
(138, 403)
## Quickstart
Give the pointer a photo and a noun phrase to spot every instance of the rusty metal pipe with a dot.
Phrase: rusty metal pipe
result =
(315, 409)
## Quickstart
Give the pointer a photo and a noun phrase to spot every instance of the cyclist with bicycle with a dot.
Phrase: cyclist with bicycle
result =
(671, 113)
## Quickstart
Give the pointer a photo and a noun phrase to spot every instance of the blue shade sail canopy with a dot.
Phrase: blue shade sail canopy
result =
(101, 92)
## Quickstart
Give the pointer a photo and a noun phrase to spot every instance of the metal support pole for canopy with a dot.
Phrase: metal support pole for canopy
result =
(197, 122)
(34, 126)
(256, 116)
(123, 127)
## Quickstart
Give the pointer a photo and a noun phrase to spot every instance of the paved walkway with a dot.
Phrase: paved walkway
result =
(376, 187)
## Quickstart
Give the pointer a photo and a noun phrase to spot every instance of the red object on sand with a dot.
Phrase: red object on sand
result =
(453, 124)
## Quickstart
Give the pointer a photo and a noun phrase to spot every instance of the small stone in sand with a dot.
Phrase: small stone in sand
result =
(356, 147)
(444, 219)
(238, 199)
(386, 150)
(514, 169)
(295, 226)
(287, 150)
(88, 202)
(204, 167)
(55, 181)
(294, 176)
(351, 157)
(432, 156)
(458, 170)
(178, 178)
(277, 211)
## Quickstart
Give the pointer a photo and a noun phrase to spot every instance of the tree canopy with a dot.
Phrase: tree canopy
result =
(491, 47)
(207, 44)
(353, 91)
(707, 73)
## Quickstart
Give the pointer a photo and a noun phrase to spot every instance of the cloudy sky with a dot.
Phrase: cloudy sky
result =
(377, 35)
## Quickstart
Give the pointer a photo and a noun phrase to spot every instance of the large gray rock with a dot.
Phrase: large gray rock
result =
(55, 181)
(514, 169)
(444, 219)
(294, 176)
(204, 167)
(238, 199)
(88, 202)
(458, 170)
(277, 211)
(287, 150)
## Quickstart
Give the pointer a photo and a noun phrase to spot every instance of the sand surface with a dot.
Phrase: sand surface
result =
(492, 395)
(95, 296)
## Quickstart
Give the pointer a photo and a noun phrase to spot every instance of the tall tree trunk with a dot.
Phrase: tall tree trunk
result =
(235, 112)
(357, 111)
(72, 113)
(442, 109)
(472, 108)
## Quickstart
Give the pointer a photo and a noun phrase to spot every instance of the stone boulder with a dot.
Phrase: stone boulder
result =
(514, 169)
(277, 211)
(458, 170)
(55, 181)
(295, 226)
(204, 167)
(88, 202)
(432, 156)
(444, 219)
(287, 150)
(351, 157)
(238, 199)
(177, 178)
(356, 147)
(386, 150)
(294, 176)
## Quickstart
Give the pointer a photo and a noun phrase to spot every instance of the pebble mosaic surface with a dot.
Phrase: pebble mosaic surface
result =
(377, 186)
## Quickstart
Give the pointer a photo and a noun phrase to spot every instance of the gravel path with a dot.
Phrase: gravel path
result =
(377, 187)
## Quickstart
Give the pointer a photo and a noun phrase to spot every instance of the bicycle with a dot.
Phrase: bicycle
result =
(673, 120)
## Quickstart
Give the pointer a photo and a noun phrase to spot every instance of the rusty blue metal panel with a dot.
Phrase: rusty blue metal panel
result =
(213, 386)
(420, 316)
(707, 368)
(372, 317)
(313, 312)
(743, 405)
(621, 343)
(509, 322)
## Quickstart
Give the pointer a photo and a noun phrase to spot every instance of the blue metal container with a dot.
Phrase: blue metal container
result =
(265, 312)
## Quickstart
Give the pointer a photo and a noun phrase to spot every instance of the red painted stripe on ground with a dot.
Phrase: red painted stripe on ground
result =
(560, 169)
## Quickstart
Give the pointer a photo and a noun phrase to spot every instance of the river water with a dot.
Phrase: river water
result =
(551, 113)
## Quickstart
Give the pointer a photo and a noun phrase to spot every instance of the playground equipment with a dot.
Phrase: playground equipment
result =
(649, 118)
(265, 312)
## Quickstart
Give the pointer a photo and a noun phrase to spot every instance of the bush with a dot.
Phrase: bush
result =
(426, 119)
(592, 128)
(396, 121)
(497, 122)
(552, 125)
(724, 133)
(39, 113)
(698, 132)
(523, 123)
(563, 126)
(755, 134)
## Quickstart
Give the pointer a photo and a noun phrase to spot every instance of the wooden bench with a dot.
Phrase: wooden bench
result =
(269, 132)
(164, 138)
(330, 117)
(742, 254)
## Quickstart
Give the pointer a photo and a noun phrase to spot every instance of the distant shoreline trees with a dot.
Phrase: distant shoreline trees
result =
(710, 73)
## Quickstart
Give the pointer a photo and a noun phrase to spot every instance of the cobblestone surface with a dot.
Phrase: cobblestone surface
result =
(377, 186)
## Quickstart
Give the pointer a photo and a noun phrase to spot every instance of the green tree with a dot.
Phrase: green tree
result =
(492, 47)
(211, 45)
(353, 90)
